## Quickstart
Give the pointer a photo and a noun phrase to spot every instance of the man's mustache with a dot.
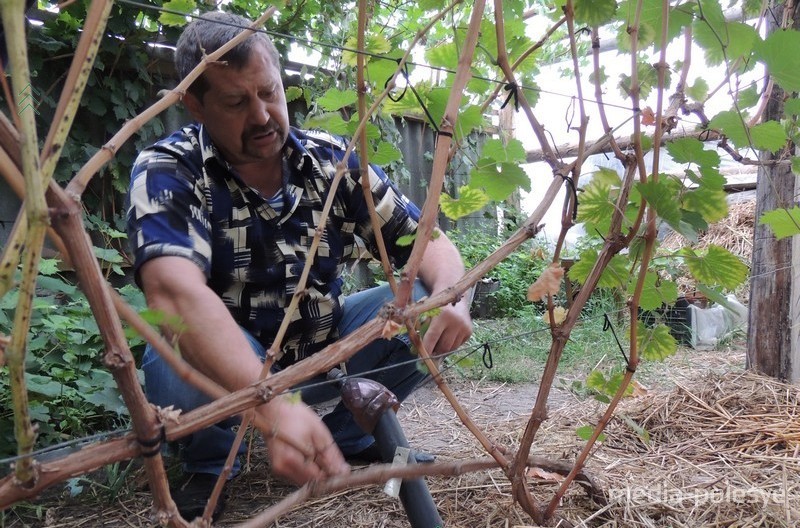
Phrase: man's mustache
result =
(258, 131)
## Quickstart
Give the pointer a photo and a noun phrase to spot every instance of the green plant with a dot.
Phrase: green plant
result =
(515, 274)
(72, 394)
(519, 347)
(107, 484)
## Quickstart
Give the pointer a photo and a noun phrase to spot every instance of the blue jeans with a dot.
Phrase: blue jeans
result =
(205, 451)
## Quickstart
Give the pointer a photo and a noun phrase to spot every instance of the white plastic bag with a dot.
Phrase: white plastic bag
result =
(709, 325)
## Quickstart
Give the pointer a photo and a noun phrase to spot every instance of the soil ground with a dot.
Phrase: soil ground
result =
(471, 500)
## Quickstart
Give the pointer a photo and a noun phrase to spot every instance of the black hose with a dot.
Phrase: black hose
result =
(414, 494)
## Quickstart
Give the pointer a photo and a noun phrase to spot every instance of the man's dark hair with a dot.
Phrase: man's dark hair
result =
(206, 35)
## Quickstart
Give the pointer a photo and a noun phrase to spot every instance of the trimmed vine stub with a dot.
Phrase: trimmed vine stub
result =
(621, 210)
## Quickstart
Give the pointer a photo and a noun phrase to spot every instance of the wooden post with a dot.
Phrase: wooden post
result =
(772, 341)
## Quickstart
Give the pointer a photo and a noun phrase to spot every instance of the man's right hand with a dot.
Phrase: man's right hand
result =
(300, 446)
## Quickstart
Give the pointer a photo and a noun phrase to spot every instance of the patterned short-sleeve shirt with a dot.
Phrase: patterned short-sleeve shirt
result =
(186, 200)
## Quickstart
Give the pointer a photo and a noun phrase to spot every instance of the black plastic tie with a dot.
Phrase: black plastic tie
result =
(152, 447)
(574, 190)
(511, 88)
(488, 360)
(607, 325)
(404, 73)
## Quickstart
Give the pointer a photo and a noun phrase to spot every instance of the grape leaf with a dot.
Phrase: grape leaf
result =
(729, 40)
(748, 97)
(699, 90)
(711, 204)
(469, 201)
(330, 122)
(655, 343)
(691, 150)
(496, 150)
(585, 433)
(385, 154)
(715, 266)
(655, 292)
(783, 66)
(499, 180)
(334, 99)
(293, 93)
(791, 107)
(375, 44)
(768, 136)
(597, 206)
(615, 275)
(174, 19)
(596, 381)
(662, 197)
(783, 222)
(594, 12)
(730, 123)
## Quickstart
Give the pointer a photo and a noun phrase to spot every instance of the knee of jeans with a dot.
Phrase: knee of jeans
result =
(420, 290)
(163, 386)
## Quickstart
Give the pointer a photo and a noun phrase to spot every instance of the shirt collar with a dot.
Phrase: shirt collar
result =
(294, 154)
(207, 148)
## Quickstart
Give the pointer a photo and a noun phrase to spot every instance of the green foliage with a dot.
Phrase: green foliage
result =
(516, 273)
(335, 99)
(783, 222)
(72, 394)
(732, 125)
(173, 18)
(585, 432)
(699, 90)
(606, 387)
(648, 80)
(656, 342)
(615, 275)
(650, 18)
(498, 173)
(783, 67)
(594, 12)
(715, 266)
(469, 201)
(657, 291)
(768, 136)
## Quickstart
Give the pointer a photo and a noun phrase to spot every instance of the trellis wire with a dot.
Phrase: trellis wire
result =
(475, 348)
(310, 42)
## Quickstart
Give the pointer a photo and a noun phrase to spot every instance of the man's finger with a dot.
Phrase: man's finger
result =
(293, 465)
(330, 460)
(431, 337)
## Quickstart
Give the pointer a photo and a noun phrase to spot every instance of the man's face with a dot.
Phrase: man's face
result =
(244, 110)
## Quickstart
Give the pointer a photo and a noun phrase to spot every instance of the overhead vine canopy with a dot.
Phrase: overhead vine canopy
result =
(457, 64)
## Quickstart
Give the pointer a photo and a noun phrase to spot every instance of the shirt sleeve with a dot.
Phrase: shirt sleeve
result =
(167, 211)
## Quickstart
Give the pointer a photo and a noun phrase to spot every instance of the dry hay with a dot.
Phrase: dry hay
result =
(723, 451)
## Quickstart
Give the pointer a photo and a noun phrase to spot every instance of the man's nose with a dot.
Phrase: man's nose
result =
(259, 113)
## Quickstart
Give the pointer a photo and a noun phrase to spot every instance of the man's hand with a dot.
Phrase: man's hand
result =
(300, 446)
(448, 330)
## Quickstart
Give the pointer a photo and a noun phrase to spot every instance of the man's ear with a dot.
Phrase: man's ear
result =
(194, 106)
